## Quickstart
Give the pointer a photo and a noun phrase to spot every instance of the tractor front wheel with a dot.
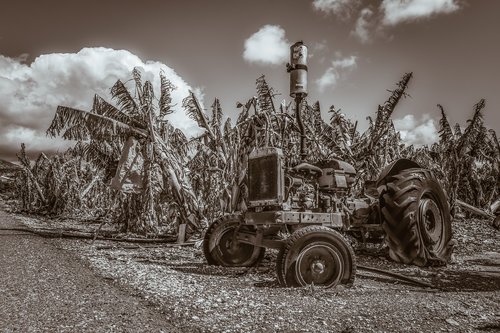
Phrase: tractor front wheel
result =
(316, 255)
(222, 249)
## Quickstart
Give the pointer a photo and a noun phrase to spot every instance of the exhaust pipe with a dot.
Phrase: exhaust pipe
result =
(298, 87)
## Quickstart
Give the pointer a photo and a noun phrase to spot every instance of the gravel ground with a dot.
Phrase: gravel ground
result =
(196, 297)
(47, 289)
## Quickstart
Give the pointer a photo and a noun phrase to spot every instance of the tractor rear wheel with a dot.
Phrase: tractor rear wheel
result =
(417, 219)
(221, 249)
(316, 255)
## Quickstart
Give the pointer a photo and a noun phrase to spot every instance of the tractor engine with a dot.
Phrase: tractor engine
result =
(301, 187)
(335, 184)
(320, 188)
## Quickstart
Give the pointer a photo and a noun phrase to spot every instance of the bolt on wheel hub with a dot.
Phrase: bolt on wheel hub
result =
(318, 267)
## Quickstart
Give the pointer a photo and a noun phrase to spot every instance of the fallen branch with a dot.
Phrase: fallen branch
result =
(153, 261)
(395, 275)
(84, 235)
(15, 229)
(474, 210)
(18, 234)
(108, 247)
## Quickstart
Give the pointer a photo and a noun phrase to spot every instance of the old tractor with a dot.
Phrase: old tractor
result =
(305, 211)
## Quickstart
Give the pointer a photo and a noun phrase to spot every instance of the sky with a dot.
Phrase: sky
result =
(63, 52)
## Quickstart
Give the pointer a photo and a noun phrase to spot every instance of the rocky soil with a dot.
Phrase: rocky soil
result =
(196, 297)
(47, 289)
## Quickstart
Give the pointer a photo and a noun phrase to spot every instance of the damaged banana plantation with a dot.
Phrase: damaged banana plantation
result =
(284, 174)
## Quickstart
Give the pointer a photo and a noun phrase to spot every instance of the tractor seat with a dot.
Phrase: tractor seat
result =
(308, 168)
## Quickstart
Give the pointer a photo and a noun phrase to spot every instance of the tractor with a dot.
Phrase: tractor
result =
(305, 211)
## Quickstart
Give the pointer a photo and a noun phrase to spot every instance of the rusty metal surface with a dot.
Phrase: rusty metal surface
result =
(266, 187)
(290, 217)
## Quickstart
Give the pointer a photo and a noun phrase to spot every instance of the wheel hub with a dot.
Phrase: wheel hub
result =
(319, 263)
(431, 221)
(318, 266)
(230, 251)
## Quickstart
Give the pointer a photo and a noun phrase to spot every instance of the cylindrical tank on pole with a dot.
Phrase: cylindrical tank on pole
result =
(298, 70)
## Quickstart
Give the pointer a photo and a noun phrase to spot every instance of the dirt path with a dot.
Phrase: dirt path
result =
(203, 298)
(200, 298)
(47, 289)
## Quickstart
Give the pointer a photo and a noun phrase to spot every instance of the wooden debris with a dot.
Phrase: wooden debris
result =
(181, 235)
(49, 233)
(396, 275)
(474, 210)
(107, 247)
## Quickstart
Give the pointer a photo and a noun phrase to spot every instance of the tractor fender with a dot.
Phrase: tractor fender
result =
(396, 167)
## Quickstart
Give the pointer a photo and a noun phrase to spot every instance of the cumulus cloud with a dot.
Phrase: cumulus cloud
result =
(345, 62)
(375, 21)
(343, 9)
(372, 22)
(397, 11)
(31, 93)
(267, 46)
(335, 71)
(364, 25)
(418, 132)
(328, 79)
(317, 48)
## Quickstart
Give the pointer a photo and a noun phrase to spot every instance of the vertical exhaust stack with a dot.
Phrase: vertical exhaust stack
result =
(298, 86)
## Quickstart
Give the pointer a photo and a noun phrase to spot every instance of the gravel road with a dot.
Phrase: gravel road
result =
(73, 285)
(47, 289)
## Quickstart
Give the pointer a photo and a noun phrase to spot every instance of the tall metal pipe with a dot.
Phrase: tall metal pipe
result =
(298, 107)
(298, 87)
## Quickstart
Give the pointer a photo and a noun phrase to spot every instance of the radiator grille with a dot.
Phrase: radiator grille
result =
(263, 178)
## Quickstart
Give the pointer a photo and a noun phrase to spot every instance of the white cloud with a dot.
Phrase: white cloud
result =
(341, 8)
(328, 79)
(320, 46)
(35, 140)
(335, 71)
(397, 11)
(345, 62)
(317, 48)
(373, 21)
(31, 93)
(417, 132)
(364, 25)
(267, 46)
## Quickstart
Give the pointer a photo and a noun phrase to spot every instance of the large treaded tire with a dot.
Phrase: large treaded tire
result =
(311, 245)
(417, 219)
(219, 249)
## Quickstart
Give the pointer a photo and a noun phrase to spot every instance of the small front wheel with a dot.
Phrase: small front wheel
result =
(220, 247)
(316, 255)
